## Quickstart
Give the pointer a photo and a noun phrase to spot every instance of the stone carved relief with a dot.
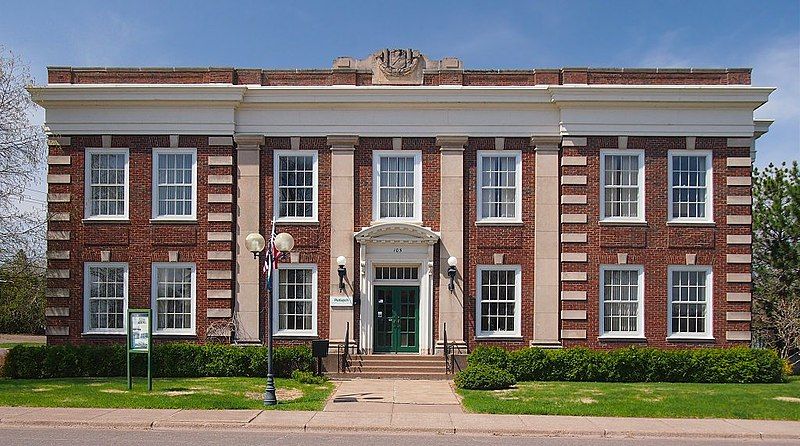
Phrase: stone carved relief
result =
(397, 66)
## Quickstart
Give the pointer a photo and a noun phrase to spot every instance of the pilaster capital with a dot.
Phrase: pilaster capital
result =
(248, 140)
(451, 142)
(548, 143)
(342, 142)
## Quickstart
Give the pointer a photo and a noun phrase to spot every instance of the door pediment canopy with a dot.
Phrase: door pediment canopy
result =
(397, 233)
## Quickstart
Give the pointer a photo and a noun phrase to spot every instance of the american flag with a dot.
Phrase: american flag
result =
(272, 257)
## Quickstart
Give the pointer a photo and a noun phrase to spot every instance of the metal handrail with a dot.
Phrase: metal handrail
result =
(346, 356)
(447, 355)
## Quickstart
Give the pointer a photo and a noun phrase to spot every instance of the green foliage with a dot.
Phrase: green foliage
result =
(484, 377)
(635, 364)
(174, 360)
(308, 377)
(776, 256)
(491, 356)
(22, 298)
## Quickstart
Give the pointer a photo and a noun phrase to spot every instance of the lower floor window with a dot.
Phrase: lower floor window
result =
(498, 300)
(105, 297)
(174, 298)
(621, 296)
(296, 299)
(690, 301)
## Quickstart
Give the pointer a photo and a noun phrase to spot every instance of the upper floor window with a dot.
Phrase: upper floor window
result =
(622, 188)
(498, 301)
(500, 186)
(397, 185)
(105, 297)
(106, 192)
(175, 184)
(621, 301)
(296, 302)
(690, 301)
(295, 185)
(174, 299)
(690, 186)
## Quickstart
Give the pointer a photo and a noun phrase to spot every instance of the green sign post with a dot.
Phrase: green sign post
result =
(140, 341)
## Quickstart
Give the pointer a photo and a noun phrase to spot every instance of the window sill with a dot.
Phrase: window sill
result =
(623, 223)
(173, 221)
(296, 222)
(185, 335)
(613, 338)
(499, 223)
(93, 220)
(103, 333)
(687, 339)
(709, 224)
(410, 222)
(295, 335)
(498, 338)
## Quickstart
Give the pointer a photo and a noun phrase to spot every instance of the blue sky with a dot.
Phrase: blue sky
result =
(764, 35)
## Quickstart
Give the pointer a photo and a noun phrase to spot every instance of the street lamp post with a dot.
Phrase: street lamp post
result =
(255, 243)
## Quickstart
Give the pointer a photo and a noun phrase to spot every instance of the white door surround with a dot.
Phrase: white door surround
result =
(397, 244)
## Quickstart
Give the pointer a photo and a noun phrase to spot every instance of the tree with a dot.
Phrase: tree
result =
(22, 299)
(22, 146)
(776, 256)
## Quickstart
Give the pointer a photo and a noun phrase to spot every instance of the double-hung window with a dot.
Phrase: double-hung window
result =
(174, 299)
(621, 301)
(498, 305)
(690, 302)
(690, 186)
(295, 185)
(499, 186)
(622, 185)
(296, 300)
(106, 191)
(175, 184)
(397, 186)
(105, 297)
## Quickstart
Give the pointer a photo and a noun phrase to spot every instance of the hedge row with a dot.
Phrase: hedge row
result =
(636, 364)
(169, 361)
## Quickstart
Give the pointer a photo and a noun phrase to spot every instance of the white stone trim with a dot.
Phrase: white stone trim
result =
(219, 255)
(739, 278)
(220, 179)
(56, 312)
(739, 142)
(573, 334)
(573, 218)
(58, 235)
(573, 141)
(739, 219)
(53, 178)
(220, 198)
(573, 161)
(574, 315)
(56, 292)
(220, 140)
(573, 295)
(219, 274)
(573, 199)
(735, 239)
(574, 180)
(574, 237)
(58, 255)
(220, 160)
(219, 236)
(220, 216)
(218, 294)
(739, 258)
(738, 316)
(738, 181)
(57, 273)
(738, 297)
(739, 200)
(55, 141)
(218, 312)
(573, 276)
(738, 335)
(58, 197)
(59, 160)
(53, 330)
(739, 161)
(574, 257)
(59, 216)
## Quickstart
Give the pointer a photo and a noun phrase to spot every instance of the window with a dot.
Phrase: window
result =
(106, 193)
(105, 297)
(498, 301)
(690, 302)
(500, 186)
(621, 301)
(296, 185)
(397, 185)
(174, 298)
(396, 273)
(622, 188)
(296, 303)
(174, 184)
(690, 186)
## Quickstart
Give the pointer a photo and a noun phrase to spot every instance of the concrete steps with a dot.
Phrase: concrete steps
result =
(395, 366)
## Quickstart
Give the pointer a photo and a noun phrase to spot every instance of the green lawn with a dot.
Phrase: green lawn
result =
(172, 393)
(10, 345)
(658, 400)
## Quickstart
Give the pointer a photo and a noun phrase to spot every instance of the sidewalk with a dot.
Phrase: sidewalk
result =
(411, 422)
(394, 396)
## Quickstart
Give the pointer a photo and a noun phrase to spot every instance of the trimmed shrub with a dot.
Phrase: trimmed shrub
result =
(636, 364)
(174, 360)
(484, 377)
(491, 356)
(308, 377)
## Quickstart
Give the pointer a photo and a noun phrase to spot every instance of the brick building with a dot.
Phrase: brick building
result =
(597, 207)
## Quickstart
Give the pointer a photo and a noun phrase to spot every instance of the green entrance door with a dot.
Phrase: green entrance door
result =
(396, 319)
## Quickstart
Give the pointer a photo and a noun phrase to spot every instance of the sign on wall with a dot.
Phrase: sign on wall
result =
(341, 301)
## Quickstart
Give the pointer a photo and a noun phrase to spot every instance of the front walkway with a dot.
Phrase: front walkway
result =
(394, 396)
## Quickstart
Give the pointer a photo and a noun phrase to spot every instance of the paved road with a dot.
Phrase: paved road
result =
(86, 437)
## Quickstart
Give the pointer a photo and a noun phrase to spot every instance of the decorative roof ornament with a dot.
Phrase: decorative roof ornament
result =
(397, 62)
(398, 66)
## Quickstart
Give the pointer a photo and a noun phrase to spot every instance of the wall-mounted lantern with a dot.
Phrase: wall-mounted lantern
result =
(341, 261)
(451, 272)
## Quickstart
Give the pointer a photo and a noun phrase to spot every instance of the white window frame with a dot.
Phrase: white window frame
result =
(640, 209)
(275, 185)
(376, 209)
(87, 189)
(709, 334)
(517, 194)
(191, 331)
(314, 302)
(709, 218)
(86, 298)
(639, 333)
(517, 333)
(155, 196)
